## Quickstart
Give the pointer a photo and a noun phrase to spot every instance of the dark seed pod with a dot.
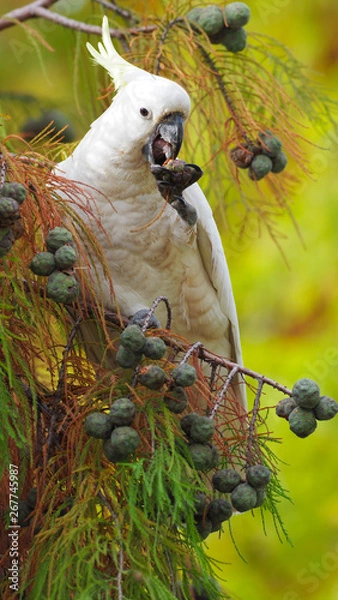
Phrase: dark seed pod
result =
(226, 480)
(202, 429)
(65, 257)
(285, 407)
(6, 240)
(306, 393)
(184, 375)
(261, 165)
(122, 443)
(302, 422)
(210, 18)
(219, 510)
(43, 263)
(14, 190)
(57, 237)
(326, 409)
(9, 211)
(122, 412)
(140, 317)
(23, 513)
(62, 288)
(154, 348)
(133, 338)
(31, 498)
(200, 504)
(127, 359)
(98, 425)
(258, 476)
(243, 497)
(152, 377)
(242, 156)
(176, 400)
(187, 422)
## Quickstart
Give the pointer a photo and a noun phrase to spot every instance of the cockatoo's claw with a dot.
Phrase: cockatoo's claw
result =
(186, 211)
(140, 317)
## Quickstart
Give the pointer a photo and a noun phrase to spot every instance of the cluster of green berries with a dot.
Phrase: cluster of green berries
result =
(120, 440)
(57, 263)
(261, 157)
(223, 25)
(305, 407)
(242, 495)
(12, 196)
(199, 431)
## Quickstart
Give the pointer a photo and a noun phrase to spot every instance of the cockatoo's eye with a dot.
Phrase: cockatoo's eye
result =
(145, 112)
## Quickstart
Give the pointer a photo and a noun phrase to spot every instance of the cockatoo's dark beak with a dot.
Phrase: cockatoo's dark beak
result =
(166, 140)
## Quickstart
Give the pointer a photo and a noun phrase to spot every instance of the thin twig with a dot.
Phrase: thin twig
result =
(223, 391)
(228, 101)
(163, 37)
(39, 10)
(152, 310)
(3, 170)
(190, 352)
(122, 12)
(62, 374)
(253, 422)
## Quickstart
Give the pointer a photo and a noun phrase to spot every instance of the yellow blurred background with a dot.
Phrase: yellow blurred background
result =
(288, 312)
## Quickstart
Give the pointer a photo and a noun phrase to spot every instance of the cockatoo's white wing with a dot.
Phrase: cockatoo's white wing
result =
(214, 262)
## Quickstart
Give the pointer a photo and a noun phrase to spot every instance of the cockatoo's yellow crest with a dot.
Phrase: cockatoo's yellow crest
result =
(121, 71)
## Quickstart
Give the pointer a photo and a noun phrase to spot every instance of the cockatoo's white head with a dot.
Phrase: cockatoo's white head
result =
(154, 108)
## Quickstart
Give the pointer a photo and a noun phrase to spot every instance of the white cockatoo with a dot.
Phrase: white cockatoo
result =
(152, 250)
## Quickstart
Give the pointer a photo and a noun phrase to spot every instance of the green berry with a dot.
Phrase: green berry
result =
(127, 359)
(184, 375)
(98, 425)
(237, 14)
(154, 348)
(302, 422)
(243, 497)
(194, 14)
(234, 40)
(204, 527)
(62, 288)
(285, 407)
(306, 393)
(202, 429)
(199, 504)
(202, 456)
(9, 210)
(326, 409)
(65, 257)
(6, 240)
(14, 190)
(43, 263)
(258, 476)
(211, 19)
(225, 480)
(122, 412)
(215, 457)
(219, 510)
(270, 143)
(176, 400)
(187, 422)
(57, 237)
(122, 443)
(261, 496)
(261, 165)
(279, 162)
(133, 338)
(152, 377)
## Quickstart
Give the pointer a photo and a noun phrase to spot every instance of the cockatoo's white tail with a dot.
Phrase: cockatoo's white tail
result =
(120, 70)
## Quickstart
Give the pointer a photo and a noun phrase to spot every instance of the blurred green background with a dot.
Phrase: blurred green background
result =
(288, 313)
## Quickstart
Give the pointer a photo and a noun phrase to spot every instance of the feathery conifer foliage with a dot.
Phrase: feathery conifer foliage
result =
(97, 522)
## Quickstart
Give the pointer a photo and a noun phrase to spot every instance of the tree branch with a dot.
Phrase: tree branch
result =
(39, 9)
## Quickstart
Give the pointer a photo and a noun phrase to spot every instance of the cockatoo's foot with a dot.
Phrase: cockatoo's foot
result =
(172, 178)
